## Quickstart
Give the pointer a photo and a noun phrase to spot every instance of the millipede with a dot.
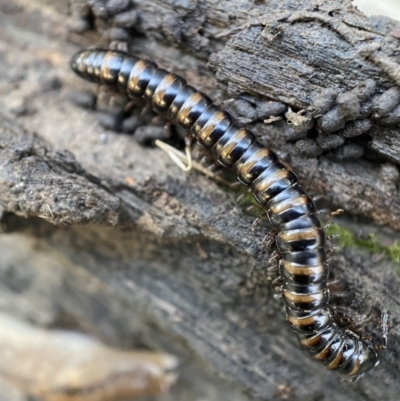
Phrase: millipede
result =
(300, 237)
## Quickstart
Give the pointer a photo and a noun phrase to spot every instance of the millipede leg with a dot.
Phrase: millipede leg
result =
(323, 211)
(269, 239)
(277, 280)
(241, 197)
(338, 294)
(167, 131)
(330, 214)
(146, 109)
(334, 248)
(273, 270)
(274, 257)
(273, 274)
(332, 281)
(326, 226)
(257, 221)
(335, 288)
(329, 269)
(334, 242)
(236, 184)
(330, 251)
(131, 105)
(347, 316)
(157, 120)
(352, 379)
(384, 328)
(118, 45)
(205, 161)
(332, 236)
(366, 338)
(279, 291)
(227, 102)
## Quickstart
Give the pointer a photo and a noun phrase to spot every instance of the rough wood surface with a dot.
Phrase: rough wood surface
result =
(180, 269)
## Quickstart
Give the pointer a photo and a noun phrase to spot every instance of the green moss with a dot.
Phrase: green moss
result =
(346, 237)
(249, 200)
(246, 198)
(371, 243)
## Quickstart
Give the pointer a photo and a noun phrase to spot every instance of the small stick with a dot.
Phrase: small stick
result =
(185, 162)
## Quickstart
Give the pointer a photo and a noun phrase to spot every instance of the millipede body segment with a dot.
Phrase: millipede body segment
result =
(300, 237)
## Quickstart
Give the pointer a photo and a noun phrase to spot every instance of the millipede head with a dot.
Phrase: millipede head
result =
(87, 64)
(79, 63)
(76, 61)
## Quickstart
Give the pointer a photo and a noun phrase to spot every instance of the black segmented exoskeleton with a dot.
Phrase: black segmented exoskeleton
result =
(300, 237)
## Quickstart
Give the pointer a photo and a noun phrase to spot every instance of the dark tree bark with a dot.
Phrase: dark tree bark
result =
(167, 259)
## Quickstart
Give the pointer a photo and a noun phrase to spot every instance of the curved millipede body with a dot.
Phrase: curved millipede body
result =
(300, 237)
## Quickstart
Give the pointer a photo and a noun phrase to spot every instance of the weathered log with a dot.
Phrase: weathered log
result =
(187, 274)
